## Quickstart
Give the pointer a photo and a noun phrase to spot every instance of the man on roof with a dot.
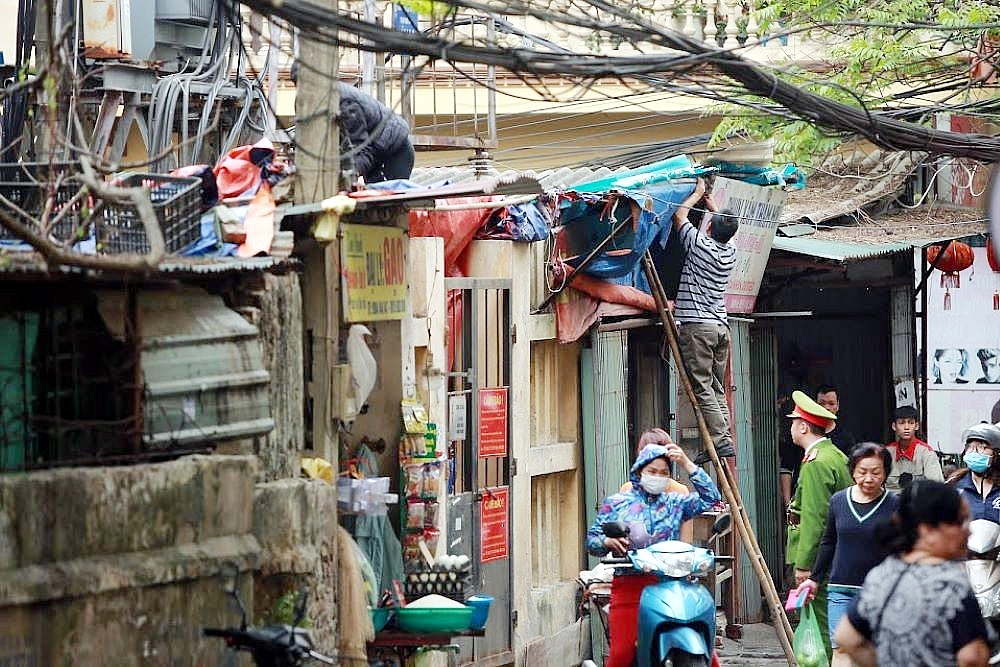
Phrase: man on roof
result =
(700, 311)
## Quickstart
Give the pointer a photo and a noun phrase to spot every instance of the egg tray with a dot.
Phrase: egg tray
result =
(453, 584)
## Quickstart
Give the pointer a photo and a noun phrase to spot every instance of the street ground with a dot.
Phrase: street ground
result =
(759, 647)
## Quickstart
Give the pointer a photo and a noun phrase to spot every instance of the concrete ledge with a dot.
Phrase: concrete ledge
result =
(543, 326)
(101, 574)
(293, 518)
(74, 513)
(557, 457)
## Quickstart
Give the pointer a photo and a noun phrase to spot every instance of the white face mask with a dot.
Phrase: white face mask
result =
(653, 484)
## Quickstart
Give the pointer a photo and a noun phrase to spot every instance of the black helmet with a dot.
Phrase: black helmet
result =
(984, 431)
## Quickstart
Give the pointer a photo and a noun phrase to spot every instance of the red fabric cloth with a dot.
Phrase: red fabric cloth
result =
(623, 618)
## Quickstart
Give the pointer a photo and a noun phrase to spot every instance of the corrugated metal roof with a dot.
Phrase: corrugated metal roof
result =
(549, 179)
(837, 250)
(202, 365)
(898, 231)
(847, 182)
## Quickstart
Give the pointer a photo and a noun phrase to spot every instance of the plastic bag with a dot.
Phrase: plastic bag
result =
(808, 642)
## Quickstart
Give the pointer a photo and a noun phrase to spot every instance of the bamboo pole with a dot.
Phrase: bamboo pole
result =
(729, 487)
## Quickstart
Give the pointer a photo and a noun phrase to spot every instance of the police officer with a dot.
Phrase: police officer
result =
(979, 480)
(823, 473)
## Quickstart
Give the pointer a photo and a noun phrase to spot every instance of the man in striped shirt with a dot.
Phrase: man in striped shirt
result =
(700, 311)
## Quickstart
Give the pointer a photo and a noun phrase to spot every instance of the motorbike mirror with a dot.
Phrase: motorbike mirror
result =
(722, 523)
(615, 529)
(300, 606)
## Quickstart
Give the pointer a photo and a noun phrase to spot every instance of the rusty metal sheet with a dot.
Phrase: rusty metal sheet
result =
(102, 36)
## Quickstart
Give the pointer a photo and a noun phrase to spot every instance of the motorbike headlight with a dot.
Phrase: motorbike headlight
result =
(670, 564)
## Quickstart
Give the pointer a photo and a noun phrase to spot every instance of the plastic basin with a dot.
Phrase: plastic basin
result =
(380, 617)
(434, 619)
(480, 610)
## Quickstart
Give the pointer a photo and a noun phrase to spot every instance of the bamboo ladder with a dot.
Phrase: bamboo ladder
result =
(730, 489)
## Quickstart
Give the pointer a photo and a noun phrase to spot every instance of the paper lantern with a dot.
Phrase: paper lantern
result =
(991, 257)
(956, 257)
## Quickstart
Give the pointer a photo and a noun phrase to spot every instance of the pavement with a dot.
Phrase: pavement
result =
(758, 647)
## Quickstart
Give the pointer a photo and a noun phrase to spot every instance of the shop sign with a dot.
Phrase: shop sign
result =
(492, 422)
(759, 209)
(493, 513)
(373, 272)
(456, 416)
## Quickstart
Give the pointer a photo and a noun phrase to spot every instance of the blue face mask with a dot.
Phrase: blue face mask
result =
(976, 461)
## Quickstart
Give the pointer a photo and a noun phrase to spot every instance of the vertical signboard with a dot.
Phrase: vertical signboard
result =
(759, 210)
(963, 353)
(373, 270)
(493, 521)
(492, 422)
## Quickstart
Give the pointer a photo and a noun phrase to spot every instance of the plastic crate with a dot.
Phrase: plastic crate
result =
(27, 185)
(421, 580)
(177, 204)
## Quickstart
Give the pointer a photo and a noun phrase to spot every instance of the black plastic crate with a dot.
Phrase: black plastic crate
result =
(28, 185)
(177, 204)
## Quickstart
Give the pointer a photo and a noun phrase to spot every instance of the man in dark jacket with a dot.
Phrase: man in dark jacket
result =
(829, 397)
(374, 140)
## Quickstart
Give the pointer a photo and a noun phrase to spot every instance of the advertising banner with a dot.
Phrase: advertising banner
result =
(759, 210)
(373, 271)
(963, 353)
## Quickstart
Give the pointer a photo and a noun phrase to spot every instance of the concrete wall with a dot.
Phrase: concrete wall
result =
(295, 522)
(121, 565)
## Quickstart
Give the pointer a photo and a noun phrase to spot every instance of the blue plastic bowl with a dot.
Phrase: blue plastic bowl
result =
(480, 610)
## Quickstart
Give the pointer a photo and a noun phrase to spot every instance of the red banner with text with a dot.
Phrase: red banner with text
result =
(493, 520)
(492, 422)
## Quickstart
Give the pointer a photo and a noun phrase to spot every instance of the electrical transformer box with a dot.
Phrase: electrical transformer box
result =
(145, 30)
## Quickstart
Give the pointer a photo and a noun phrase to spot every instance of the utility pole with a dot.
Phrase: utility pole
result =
(317, 160)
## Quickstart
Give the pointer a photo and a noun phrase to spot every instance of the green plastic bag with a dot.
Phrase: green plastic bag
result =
(808, 643)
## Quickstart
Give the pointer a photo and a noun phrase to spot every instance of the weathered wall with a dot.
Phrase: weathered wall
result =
(274, 303)
(121, 565)
(295, 523)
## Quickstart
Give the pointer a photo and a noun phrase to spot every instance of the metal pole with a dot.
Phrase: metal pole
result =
(729, 487)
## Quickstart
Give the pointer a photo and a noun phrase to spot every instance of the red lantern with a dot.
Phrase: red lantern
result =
(991, 256)
(957, 256)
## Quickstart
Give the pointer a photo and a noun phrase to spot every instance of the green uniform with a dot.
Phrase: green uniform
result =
(823, 473)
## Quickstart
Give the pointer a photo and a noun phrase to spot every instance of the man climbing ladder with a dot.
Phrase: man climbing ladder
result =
(700, 311)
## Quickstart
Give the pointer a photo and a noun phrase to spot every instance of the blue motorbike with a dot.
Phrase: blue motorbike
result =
(676, 619)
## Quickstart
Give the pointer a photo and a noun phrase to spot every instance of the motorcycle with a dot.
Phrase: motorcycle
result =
(271, 645)
(676, 618)
(983, 566)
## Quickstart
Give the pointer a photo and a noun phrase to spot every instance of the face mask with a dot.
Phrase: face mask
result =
(976, 461)
(653, 484)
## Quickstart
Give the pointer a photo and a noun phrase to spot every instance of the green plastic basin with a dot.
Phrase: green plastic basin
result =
(434, 619)
(380, 617)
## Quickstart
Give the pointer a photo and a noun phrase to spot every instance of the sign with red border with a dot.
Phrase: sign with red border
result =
(492, 422)
(493, 513)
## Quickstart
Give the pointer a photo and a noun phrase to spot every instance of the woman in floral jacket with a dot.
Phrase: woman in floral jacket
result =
(653, 514)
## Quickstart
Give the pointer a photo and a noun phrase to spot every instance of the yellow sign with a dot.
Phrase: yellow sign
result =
(373, 271)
